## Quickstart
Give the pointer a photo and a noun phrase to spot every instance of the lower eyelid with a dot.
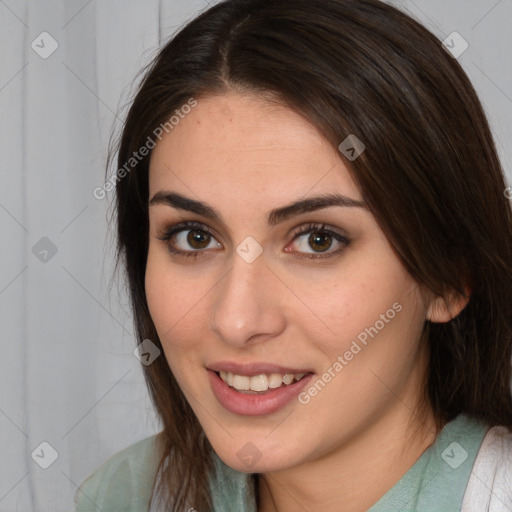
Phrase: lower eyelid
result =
(343, 244)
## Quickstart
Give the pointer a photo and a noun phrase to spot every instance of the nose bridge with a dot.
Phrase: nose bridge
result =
(244, 304)
(242, 279)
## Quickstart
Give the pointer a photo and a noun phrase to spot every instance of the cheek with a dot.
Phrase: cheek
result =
(369, 359)
(174, 305)
(365, 298)
(174, 302)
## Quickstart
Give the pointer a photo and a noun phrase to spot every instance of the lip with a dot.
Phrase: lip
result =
(257, 404)
(252, 369)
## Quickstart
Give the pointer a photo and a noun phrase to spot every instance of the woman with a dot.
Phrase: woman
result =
(312, 217)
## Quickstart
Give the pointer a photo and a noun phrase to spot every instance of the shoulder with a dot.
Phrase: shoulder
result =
(490, 485)
(123, 482)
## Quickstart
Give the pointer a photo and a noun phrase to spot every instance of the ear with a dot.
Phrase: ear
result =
(446, 308)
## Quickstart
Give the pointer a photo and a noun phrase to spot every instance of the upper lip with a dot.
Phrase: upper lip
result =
(252, 369)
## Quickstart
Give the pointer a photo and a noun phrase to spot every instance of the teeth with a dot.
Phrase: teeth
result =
(288, 378)
(275, 380)
(259, 383)
(241, 382)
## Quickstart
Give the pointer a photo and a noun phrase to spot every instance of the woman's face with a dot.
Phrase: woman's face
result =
(270, 284)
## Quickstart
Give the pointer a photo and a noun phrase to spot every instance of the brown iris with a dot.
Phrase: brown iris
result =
(320, 241)
(198, 239)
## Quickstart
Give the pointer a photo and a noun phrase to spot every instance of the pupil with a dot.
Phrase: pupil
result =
(322, 241)
(198, 239)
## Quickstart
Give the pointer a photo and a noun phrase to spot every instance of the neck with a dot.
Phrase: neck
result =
(355, 475)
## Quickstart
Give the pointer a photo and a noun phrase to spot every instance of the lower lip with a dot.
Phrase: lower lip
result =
(257, 404)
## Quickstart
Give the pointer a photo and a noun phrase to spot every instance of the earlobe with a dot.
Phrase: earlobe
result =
(444, 309)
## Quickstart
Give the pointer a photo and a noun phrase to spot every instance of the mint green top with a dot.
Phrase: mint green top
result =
(436, 482)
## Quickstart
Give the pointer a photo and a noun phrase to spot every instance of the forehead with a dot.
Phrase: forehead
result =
(247, 144)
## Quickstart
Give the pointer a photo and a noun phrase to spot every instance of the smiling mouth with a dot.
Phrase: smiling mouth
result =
(259, 384)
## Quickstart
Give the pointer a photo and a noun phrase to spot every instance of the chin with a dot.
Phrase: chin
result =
(252, 457)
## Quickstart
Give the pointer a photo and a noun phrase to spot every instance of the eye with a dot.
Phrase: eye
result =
(188, 239)
(316, 241)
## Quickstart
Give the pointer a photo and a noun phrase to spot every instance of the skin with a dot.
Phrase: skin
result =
(245, 156)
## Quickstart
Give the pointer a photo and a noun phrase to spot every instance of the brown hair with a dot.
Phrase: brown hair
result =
(430, 175)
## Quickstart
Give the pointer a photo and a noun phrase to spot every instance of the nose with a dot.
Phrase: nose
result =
(246, 304)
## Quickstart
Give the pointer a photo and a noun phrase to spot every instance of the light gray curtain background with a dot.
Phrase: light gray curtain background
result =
(71, 390)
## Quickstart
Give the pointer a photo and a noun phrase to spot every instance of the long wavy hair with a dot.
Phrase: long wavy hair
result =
(430, 174)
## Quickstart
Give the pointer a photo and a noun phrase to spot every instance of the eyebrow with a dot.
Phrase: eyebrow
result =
(275, 216)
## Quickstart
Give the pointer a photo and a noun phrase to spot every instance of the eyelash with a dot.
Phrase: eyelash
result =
(321, 229)
(168, 232)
